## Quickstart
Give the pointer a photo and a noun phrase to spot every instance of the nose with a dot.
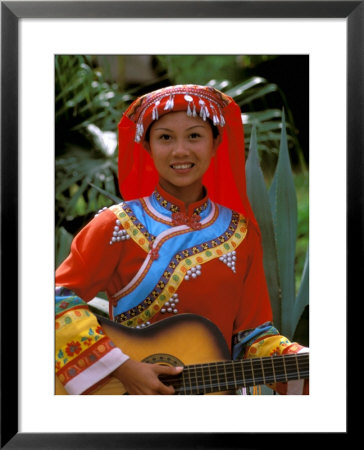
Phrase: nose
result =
(180, 148)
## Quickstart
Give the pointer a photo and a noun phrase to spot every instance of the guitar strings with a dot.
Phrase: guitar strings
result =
(246, 365)
(223, 370)
(244, 369)
(263, 378)
(215, 386)
(229, 385)
(291, 358)
(212, 388)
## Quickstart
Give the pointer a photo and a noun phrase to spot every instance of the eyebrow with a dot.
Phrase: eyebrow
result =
(187, 129)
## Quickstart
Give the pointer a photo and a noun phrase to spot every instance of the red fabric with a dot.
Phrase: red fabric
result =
(224, 180)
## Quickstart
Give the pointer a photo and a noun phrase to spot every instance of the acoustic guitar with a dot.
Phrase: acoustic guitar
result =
(197, 344)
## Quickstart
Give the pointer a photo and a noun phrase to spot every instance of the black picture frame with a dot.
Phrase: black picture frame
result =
(11, 13)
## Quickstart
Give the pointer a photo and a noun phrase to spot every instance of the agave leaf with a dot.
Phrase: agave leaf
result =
(302, 299)
(258, 197)
(284, 210)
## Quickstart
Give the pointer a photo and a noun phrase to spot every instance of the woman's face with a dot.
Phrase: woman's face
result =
(181, 148)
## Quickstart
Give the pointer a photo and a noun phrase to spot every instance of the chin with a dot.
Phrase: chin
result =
(182, 184)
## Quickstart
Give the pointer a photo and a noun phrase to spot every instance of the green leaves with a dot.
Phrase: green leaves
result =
(259, 199)
(83, 96)
(267, 121)
(283, 201)
(303, 294)
(276, 213)
(63, 244)
(87, 112)
(78, 173)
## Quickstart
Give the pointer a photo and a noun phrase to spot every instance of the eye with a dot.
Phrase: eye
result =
(194, 135)
(164, 137)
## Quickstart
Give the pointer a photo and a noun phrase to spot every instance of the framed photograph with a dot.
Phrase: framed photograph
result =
(31, 34)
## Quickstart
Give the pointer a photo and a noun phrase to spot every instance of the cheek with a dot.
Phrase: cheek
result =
(158, 156)
(207, 154)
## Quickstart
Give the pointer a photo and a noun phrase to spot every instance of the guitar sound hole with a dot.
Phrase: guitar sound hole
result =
(164, 359)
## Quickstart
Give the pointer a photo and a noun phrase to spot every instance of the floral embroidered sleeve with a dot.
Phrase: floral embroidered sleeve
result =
(265, 340)
(84, 354)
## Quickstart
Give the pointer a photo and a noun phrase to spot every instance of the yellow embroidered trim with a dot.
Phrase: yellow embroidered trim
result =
(73, 316)
(133, 231)
(181, 269)
(137, 235)
(145, 271)
(269, 346)
(128, 225)
(75, 338)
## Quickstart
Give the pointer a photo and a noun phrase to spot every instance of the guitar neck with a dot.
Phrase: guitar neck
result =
(231, 375)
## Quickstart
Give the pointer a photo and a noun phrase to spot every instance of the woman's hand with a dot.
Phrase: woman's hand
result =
(141, 378)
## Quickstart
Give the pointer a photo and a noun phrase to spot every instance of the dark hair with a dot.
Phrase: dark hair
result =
(215, 130)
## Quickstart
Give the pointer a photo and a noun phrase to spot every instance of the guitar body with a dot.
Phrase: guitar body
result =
(176, 341)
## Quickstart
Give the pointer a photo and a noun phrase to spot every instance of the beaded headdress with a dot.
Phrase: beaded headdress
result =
(225, 178)
(203, 101)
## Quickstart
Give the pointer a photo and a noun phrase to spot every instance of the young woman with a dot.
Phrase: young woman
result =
(184, 240)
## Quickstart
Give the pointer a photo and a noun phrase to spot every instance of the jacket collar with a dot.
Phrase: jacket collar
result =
(174, 205)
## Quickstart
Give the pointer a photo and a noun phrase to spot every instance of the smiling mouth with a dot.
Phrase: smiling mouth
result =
(182, 166)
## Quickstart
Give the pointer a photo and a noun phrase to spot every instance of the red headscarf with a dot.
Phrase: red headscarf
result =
(225, 178)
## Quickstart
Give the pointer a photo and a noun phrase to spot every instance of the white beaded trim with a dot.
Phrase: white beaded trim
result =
(229, 259)
(143, 325)
(193, 273)
(118, 234)
(200, 98)
(101, 210)
(170, 306)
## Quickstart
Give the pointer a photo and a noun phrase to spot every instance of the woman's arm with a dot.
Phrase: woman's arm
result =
(265, 340)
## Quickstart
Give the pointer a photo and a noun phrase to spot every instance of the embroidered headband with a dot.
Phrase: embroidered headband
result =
(203, 101)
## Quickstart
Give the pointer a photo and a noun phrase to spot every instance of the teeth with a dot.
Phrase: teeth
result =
(182, 166)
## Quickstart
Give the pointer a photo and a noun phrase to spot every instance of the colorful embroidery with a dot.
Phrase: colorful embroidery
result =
(133, 227)
(162, 238)
(69, 349)
(174, 208)
(72, 315)
(139, 277)
(178, 267)
(72, 311)
(269, 345)
(82, 358)
(66, 304)
(145, 202)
